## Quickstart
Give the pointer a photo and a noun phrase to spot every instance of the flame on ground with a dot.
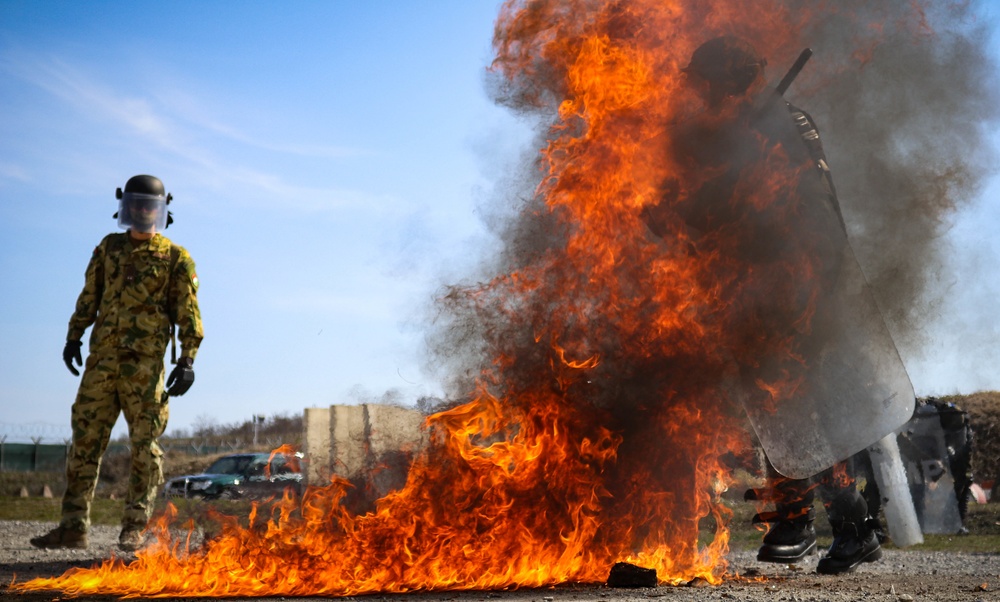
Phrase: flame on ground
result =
(600, 432)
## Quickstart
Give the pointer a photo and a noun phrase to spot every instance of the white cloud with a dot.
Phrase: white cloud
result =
(90, 97)
(174, 126)
(202, 118)
(334, 303)
(269, 188)
(10, 171)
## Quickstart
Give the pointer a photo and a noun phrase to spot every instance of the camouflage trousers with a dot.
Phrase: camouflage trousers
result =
(113, 384)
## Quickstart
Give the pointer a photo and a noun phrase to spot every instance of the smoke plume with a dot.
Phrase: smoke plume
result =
(904, 96)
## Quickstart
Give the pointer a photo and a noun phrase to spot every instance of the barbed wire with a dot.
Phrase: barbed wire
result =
(51, 433)
(35, 432)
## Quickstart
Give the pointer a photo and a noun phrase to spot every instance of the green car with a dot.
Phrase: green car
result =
(240, 476)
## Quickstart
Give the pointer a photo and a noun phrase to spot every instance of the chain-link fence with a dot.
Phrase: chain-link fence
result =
(32, 457)
(46, 457)
(43, 447)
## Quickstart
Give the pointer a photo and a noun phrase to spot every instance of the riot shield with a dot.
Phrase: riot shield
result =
(928, 469)
(855, 389)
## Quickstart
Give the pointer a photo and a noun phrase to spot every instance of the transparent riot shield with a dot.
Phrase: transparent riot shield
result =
(855, 389)
(928, 469)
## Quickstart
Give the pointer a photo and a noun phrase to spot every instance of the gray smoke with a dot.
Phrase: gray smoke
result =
(907, 135)
(904, 94)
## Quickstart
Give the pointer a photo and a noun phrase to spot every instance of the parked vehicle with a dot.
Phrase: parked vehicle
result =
(240, 476)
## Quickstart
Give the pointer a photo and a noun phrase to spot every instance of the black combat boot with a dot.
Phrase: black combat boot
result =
(790, 537)
(854, 539)
(853, 543)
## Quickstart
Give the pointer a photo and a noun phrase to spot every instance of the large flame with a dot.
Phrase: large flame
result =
(599, 430)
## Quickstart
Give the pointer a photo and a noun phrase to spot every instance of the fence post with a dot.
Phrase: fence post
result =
(34, 453)
(3, 441)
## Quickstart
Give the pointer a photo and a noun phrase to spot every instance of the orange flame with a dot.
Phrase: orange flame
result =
(597, 433)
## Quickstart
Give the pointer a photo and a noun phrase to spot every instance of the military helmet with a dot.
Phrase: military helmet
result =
(144, 185)
(728, 64)
(143, 204)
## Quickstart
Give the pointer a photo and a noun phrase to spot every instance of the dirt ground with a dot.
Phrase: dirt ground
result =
(900, 576)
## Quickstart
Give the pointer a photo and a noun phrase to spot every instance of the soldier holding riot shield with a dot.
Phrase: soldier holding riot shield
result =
(854, 390)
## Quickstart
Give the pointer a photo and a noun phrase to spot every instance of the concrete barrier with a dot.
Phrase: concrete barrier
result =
(369, 445)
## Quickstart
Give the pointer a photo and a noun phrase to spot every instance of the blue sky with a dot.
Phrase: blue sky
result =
(327, 161)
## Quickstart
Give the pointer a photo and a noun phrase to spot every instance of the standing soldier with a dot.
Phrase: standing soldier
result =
(735, 132)
(139, 287)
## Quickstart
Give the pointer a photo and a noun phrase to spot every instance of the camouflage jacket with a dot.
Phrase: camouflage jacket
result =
(132, 296)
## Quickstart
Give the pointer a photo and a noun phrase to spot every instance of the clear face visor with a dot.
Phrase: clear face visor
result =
(142, 212)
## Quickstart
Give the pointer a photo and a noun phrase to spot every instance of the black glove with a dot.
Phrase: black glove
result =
(71, 352)
(181, 377)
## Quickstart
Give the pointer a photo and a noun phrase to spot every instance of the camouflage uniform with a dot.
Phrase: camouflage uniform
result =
(134, 291)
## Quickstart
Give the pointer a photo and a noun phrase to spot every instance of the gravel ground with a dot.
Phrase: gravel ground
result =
(901, 576)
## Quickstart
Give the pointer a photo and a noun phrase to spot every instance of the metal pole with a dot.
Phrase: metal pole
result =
(34, 453)
(258, 419)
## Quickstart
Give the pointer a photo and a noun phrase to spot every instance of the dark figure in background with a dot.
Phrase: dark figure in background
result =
(940, 436)
(741, 122)
(139, 286)
(959, 441)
